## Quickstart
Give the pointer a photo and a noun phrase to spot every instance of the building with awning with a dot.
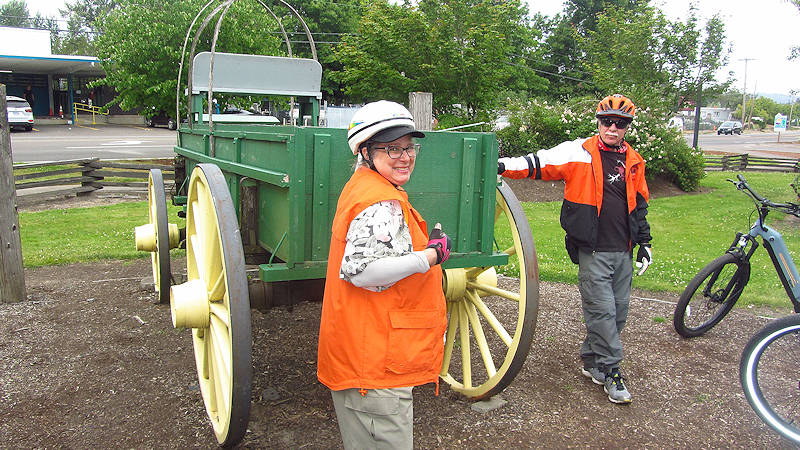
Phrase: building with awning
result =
(56, 81)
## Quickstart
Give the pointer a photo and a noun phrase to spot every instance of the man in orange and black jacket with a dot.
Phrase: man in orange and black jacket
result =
(604, 214)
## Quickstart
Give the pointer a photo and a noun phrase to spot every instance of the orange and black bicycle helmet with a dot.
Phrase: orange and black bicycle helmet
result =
(616, 105)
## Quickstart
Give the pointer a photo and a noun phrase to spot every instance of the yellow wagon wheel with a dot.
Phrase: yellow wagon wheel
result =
(491, 320)
(214, 303)
(158, 236)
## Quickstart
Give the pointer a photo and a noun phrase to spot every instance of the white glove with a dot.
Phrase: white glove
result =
(644, 257)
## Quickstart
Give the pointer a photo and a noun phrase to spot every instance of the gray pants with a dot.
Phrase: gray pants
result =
(382, 419)
(604, 279)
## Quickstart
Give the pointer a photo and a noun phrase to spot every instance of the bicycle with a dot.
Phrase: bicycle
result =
(715, 289)
(768, 373)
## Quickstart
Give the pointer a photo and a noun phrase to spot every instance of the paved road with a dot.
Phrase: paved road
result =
(60, 142)
(755, 143)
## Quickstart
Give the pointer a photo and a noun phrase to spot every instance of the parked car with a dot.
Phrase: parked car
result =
(20, 113)
(730, 127)
(161, 118)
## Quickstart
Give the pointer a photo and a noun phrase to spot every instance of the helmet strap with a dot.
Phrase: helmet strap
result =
(365, 157)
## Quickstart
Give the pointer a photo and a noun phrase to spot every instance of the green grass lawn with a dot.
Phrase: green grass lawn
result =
(63, 236)
(688, 232)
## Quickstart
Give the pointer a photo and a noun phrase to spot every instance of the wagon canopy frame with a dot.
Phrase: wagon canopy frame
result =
(301, 83)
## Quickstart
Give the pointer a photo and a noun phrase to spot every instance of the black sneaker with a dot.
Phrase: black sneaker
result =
(615, 388)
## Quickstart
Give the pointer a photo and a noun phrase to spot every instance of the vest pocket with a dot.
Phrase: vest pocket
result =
(413, 339)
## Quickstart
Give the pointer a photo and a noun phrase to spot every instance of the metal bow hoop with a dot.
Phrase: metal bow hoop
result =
(222, 10)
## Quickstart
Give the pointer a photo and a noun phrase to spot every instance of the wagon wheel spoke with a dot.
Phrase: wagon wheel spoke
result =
(463, 337)
(480, 339)
(214, 301)
(487, 314)
(494, 315)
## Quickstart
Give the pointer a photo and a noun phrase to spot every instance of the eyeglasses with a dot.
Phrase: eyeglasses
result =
(620, 123)
(396, 152)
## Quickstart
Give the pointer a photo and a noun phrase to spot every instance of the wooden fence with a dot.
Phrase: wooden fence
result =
(83, 176)
(750, 162)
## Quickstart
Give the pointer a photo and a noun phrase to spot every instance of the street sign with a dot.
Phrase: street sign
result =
(780, 123)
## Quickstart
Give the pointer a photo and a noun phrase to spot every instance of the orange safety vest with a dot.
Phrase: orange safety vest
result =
(378, 340)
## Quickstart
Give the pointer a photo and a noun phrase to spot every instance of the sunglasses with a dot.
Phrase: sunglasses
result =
(620, 123)
(396, 152)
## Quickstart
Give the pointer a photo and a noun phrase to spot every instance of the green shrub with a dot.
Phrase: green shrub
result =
(538, 124)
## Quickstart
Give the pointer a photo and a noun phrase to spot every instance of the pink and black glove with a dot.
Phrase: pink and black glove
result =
(439, 242)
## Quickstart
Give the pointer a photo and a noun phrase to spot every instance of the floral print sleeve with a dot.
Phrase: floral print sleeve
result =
(379, 231)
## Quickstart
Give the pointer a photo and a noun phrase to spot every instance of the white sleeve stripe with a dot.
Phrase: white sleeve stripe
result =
(564, 153)
(516, 164)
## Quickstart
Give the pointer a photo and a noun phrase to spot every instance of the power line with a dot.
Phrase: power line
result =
(549, 73)
(551, 64)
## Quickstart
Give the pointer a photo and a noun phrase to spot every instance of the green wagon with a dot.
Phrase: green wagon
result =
(263, 195)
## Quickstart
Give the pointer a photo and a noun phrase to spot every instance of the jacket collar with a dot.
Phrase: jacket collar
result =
(603, 147)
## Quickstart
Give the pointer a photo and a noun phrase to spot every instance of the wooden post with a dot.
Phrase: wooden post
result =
(12, 277)
(420, 104)
(88, 172)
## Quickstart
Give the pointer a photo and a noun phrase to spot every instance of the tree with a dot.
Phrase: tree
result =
(328, 22)
(14, 13)
(83, 18)
(141, 41)
(730, 99)
(466, 52)
(657, 62)
(762, 107)
(562, 62)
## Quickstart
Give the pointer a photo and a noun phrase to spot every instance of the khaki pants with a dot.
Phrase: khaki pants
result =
(382, 419)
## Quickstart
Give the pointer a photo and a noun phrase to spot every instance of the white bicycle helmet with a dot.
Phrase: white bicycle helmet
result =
(381, 121)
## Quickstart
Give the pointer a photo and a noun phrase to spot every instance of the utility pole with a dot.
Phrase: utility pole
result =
(697, 101)
(744, 91)
(792, 93)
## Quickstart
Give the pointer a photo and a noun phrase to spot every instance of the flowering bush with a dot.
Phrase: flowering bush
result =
(537, 124)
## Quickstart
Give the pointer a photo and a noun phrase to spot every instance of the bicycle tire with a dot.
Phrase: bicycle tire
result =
(768, 373)
(710, 295)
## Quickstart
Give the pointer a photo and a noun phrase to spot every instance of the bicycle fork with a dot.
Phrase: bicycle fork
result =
(742, 247)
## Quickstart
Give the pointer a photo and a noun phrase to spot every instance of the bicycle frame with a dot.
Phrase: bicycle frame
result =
(777, 250)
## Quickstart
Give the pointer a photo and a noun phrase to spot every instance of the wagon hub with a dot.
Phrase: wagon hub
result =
(456, 281)
(190, 305)
(145, 237)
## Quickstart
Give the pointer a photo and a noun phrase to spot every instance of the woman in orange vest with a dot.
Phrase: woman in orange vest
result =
(383, 314)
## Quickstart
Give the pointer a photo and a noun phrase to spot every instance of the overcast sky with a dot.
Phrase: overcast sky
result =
(763, 31)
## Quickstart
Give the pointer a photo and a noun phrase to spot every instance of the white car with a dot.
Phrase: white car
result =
(20, 113)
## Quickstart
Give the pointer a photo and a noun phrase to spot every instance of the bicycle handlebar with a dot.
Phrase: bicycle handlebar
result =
(761, 202)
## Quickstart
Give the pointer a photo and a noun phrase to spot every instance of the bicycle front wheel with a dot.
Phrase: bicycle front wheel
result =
(710, 295)
(768, 372)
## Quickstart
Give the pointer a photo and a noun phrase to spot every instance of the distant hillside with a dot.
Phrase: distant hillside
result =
(777, 98)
